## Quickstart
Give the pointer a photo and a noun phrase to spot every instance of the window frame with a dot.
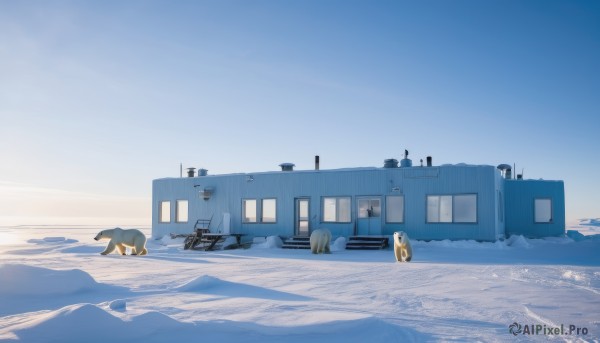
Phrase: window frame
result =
(369, 213)
(161, 211)
(177, 208)
(262, 211)
(453, 212)
(454, 207)
(337, 209)
(244, 221)
(387, 210)
(535, 221)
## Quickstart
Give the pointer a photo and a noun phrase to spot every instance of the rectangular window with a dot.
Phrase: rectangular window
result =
(269, 210)
(165, 212)
(329, 209)
(369, 208)
(452, 208)
(465, 208)
(182, 211)
(363, 208)
(344, 211)
(433, 209)
(336, 209)
(303, 215)
(543, 210)
(446, 209)
(394, 209)
(249, 210)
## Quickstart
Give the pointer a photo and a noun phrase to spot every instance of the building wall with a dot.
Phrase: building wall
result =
(519, 203)
(413, 183)
(500, 207)
(416, 183)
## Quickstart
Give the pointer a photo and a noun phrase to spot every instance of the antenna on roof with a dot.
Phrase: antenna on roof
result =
(180, 169)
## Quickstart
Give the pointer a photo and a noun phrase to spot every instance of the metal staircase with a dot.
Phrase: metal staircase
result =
(297, 242)
(367, 242)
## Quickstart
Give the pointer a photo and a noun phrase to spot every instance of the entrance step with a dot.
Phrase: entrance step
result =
(354, 242)
(297, 242)
(367, 242)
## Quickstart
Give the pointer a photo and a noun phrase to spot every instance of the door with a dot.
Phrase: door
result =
(369, 216)
(302, 216)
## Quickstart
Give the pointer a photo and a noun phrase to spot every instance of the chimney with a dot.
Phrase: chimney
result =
(429, 161)
(317, 162)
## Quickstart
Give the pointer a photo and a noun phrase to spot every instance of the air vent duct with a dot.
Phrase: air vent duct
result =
(405, 162)
(506, 170)
(390, 163)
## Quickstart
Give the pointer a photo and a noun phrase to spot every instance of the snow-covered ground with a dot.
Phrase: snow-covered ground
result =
(56, 287)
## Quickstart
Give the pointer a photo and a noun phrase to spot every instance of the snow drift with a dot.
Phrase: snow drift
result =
(28, 288)
(211, 285)
(91, 324)
(28, 280)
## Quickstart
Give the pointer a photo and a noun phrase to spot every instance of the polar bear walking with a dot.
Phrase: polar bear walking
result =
(319, 241)
(120, 239)
(402, 248)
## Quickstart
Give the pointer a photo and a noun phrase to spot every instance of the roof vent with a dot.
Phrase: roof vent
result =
(405, 162)
(390, 163)
(505, 169)
(191, 172)
(287, 166)
(207, 192)
(202, 172)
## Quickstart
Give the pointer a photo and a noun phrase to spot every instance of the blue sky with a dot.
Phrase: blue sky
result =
(99, 98)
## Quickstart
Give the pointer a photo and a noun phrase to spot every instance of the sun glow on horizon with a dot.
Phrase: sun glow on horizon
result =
(30, 205)
(8, 238)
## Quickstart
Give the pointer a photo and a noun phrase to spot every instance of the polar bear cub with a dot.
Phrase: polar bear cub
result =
(319, 241)
(402, 248)
(120, 238)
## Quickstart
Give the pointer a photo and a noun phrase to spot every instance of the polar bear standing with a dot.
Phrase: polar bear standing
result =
(402, 248)
(120, 238)
(319, 241)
